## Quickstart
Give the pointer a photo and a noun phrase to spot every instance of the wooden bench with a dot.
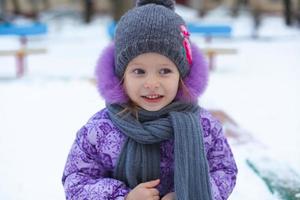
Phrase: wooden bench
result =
(206, 31)
(211, 54)
(111, 28)
(210, 31)
(23, 31)
(20, 56)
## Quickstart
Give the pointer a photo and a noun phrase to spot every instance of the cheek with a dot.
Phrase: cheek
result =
(130, 87)
(173, 87)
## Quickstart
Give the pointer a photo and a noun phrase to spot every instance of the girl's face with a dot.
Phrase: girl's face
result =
(151, 81)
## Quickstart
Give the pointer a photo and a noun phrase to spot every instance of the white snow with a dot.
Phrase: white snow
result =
(41, 112)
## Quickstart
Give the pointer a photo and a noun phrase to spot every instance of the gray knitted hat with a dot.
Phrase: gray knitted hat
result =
(152, 26)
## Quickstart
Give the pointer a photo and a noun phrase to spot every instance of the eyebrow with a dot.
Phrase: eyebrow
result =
(165, 64)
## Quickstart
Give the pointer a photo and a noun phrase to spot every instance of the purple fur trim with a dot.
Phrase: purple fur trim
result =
(112, 91)
(197, 79)
(108, 83)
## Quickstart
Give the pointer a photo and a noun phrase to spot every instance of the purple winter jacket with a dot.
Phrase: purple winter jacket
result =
(93, 156)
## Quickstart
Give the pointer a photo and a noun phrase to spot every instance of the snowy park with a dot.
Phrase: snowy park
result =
(257, 87)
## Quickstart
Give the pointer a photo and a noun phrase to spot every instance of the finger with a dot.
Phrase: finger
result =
(156, 197)
(150, 184)
(164, 198)
(154, 192)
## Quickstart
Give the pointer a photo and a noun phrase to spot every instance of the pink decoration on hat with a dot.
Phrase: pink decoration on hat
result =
(186, 43)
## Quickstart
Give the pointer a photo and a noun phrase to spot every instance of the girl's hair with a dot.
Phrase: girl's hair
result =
(132, 108)
(186, 92)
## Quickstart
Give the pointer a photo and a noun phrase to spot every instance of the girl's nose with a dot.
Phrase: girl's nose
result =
(151, 83)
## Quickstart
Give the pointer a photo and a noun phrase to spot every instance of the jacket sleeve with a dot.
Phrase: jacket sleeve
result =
(87, 171)
(222, 166)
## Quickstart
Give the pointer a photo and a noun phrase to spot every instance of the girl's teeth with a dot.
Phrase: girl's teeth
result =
(152, 96)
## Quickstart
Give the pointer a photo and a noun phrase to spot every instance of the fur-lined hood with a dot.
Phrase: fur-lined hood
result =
(111, 89)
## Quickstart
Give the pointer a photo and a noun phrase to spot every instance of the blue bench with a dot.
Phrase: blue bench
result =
(206, 31)
(209, 31)
(111, 28)
(22, 31)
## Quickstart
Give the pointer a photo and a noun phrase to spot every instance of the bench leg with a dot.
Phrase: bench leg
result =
(20, 64)
(211, 61)
(20, 57)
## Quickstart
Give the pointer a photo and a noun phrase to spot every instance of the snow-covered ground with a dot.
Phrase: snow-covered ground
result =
(41, 112)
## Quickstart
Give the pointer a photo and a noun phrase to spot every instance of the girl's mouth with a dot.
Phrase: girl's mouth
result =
(153, 98)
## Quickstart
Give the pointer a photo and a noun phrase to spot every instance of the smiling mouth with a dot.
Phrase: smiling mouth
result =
(153, 98)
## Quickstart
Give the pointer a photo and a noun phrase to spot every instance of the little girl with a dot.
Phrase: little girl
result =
(152, 141)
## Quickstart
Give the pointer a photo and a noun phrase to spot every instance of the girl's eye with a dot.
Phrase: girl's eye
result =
(165, 71)
(139, 71)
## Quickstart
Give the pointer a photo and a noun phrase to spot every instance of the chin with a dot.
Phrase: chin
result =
(152, 108)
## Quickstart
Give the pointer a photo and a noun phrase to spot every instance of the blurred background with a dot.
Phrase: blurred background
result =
(48, 53)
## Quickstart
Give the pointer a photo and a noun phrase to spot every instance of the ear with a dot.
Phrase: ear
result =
(108, 84)
(197, 78)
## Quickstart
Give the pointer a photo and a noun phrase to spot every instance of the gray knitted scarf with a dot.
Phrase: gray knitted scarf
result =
(139, 160)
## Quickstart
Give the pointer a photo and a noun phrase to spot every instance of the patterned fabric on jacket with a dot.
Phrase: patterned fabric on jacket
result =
(93, 156)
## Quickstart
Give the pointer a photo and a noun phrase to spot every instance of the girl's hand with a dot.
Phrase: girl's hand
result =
(169, 196)
(144, 191)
